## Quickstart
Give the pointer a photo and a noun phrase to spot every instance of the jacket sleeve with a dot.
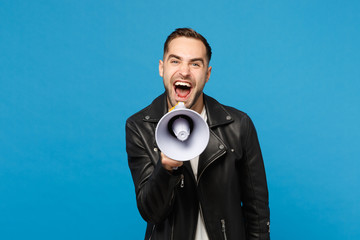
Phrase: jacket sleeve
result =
(254, 186)
(154, 185)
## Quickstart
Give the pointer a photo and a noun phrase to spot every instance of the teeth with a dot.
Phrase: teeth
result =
(184, 84)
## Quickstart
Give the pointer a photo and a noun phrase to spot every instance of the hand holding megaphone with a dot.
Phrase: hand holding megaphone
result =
(170, 164)
(182, 134)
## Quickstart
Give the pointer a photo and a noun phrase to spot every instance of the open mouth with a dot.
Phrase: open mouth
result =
(182, 89)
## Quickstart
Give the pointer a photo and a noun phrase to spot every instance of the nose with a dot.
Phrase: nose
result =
(184, 70)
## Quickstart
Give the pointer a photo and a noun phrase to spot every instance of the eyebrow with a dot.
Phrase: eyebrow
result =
(191, 60)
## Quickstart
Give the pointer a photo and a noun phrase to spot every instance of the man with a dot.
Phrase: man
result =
(221, 194)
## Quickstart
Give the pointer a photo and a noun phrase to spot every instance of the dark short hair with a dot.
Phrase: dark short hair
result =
(189, 33)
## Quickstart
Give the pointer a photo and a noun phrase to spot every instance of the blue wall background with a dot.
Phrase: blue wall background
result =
(71, 72)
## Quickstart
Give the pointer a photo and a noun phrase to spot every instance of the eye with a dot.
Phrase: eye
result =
(174, 61)
(195, 64)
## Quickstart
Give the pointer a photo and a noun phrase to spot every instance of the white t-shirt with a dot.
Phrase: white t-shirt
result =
(201, 233)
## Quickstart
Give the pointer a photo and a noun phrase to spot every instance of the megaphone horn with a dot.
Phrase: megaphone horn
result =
(182, 134)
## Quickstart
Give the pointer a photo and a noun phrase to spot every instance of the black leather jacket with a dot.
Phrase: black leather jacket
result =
(231, 190)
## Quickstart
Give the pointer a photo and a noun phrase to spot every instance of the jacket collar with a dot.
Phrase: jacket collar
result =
(216, 113)
(156, 110)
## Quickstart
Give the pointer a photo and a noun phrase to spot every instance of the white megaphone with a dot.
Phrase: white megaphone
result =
(182, 134)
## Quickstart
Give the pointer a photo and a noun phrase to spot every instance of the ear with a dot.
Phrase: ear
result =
(208, 74)
(161, 68)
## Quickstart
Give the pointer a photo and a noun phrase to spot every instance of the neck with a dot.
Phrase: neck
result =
(199, 105)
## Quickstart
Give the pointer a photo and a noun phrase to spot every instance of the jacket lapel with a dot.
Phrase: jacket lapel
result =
(215, 149)
(216, 116)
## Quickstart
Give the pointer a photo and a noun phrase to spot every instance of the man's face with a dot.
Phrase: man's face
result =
(185, 71)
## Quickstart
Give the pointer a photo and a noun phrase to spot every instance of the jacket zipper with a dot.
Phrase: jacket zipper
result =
(172, 225)
(182, 182)
(152, 232)
(172, 231)
(199, 176)
(223, 228)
